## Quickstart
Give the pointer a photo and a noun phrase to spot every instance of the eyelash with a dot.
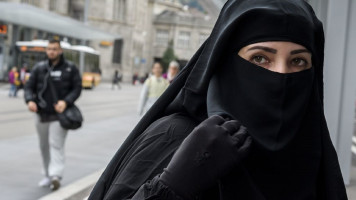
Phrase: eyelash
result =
(304, 60)
(252, 59)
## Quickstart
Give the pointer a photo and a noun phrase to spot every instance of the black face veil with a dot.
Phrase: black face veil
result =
(295, 159)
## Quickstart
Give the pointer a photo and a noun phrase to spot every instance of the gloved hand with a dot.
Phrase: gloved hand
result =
(211, 151)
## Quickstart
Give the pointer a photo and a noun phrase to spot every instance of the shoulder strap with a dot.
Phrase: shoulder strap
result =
(51, 87)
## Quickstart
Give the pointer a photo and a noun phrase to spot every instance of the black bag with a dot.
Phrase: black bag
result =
(71, 117)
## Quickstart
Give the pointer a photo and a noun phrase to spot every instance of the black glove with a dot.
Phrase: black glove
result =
(211, 151)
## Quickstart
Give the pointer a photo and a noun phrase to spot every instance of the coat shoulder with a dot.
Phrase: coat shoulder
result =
(40, 65)
(70, 64)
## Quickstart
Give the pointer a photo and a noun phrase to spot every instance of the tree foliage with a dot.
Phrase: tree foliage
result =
(168, 56)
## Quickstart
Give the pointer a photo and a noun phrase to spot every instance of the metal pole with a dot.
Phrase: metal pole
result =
(340, 84)
(85, 20)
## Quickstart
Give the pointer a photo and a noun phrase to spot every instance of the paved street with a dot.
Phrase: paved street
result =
(109, 117)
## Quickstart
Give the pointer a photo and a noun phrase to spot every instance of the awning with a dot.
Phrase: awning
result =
(36, 18)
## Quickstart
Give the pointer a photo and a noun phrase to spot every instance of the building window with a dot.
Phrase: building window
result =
(162, 37)
(52, 5)
(202, 38)
(119, 9)
(184, 39)
(117, 54)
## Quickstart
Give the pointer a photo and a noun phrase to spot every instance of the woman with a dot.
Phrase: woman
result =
(14, 82)
(173, 70)
(153, 88)
(263, 66)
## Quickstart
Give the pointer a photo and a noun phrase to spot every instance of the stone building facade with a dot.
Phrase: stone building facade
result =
(146, 27)
(131, 20)
(187, 30)
(60, 7)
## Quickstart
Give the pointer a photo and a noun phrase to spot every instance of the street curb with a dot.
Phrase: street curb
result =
(78, 190)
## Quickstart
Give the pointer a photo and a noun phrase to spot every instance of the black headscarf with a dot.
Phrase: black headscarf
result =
(293, 157)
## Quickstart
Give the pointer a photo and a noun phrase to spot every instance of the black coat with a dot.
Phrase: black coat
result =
(150, 154)
(66, 80)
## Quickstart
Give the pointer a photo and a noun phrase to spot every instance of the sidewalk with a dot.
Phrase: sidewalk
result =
(4, 86)
(88, 150)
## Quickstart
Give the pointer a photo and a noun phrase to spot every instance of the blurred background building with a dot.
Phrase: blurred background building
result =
(138, 31)
(147, 27)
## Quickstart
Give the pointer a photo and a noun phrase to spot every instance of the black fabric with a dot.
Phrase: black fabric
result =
(270, 104)
(303, 166)
(148, 155)
(289, 24)
(155, 190)
(211, 151)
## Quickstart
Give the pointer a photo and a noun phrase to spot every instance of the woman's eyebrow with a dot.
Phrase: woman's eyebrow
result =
(270, 50)
(299, 51)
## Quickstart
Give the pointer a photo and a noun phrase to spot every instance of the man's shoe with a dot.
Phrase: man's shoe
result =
(55, 183)
(45, 182)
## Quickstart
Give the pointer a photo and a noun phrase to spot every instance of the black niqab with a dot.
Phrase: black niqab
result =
(293, 157)
(270, 104)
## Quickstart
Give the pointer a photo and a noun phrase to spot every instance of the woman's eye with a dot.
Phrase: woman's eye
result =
(259, 60)
(299, 62)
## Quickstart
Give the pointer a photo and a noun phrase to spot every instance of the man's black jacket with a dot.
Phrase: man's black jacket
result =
(66, 80)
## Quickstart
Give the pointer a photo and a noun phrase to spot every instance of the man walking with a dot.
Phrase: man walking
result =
(116, 80)
(67, 85)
